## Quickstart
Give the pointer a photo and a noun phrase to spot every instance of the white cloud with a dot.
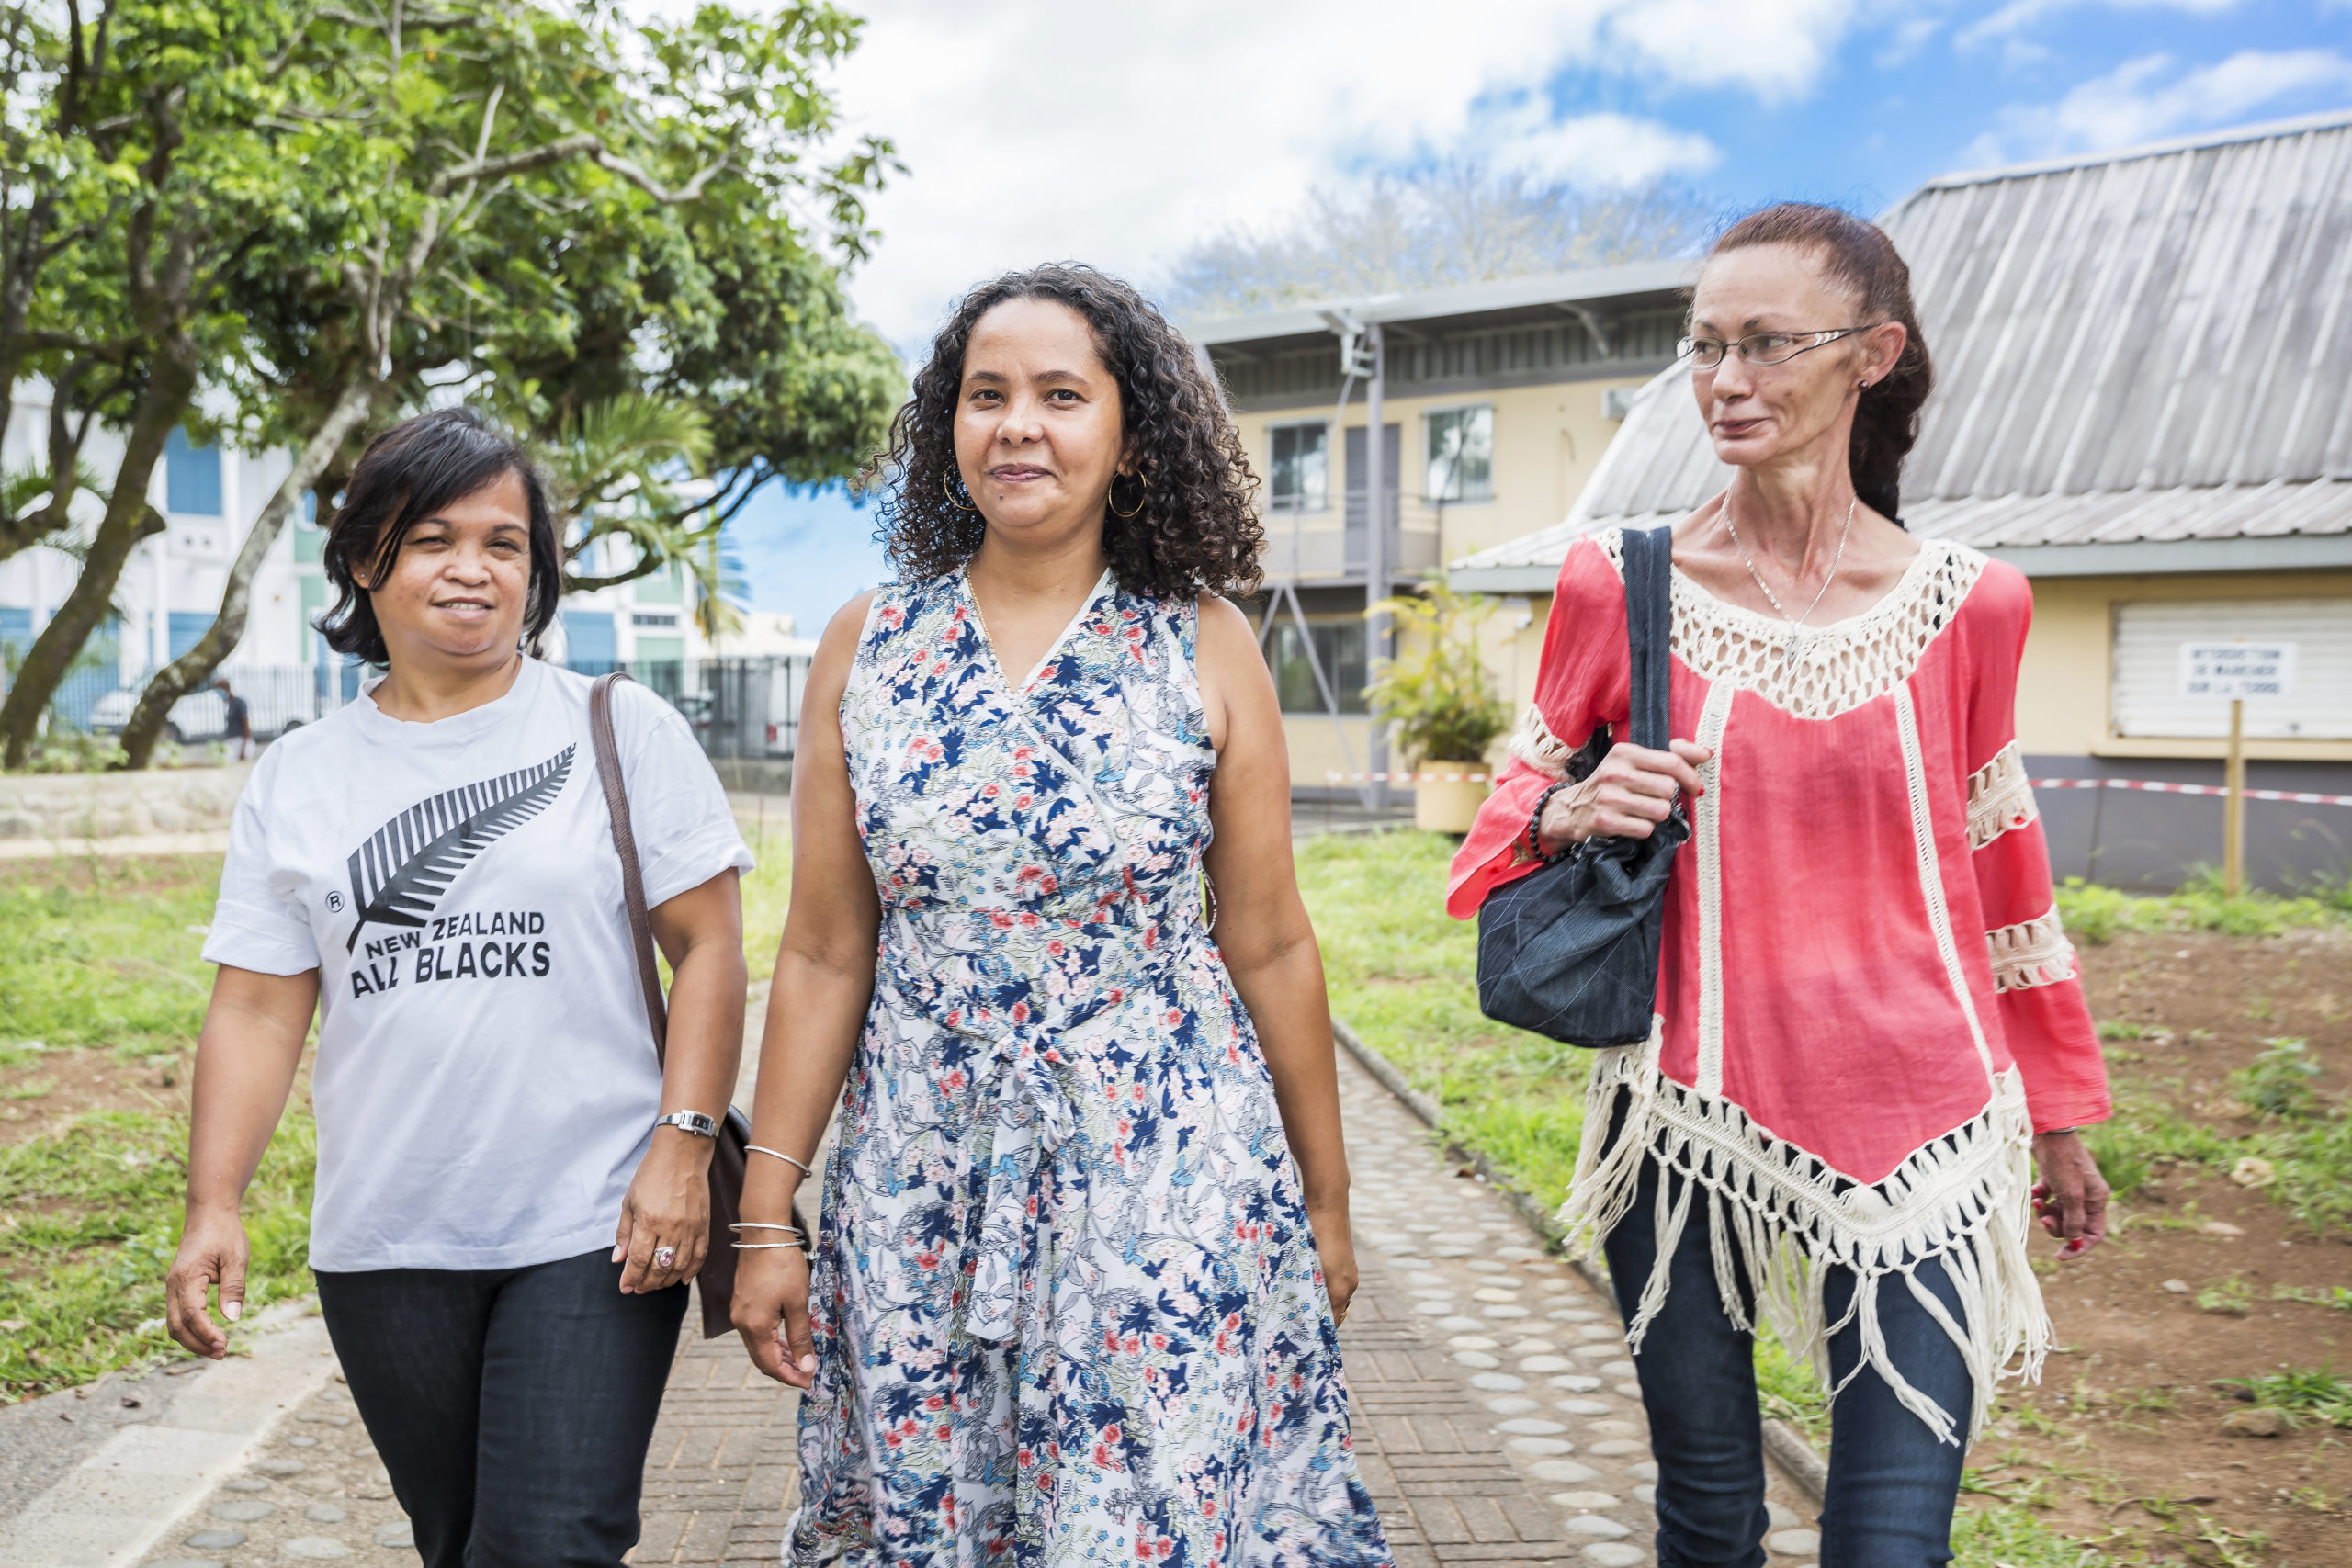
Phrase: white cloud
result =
(1608, 150)
(2018, 14)
(2145, 98)
(1118, 134)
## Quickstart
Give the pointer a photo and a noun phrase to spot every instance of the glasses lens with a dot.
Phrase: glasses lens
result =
(1704, 353)
(1769, 348)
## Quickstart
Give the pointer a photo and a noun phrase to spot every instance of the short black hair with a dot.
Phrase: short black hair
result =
(407, 474)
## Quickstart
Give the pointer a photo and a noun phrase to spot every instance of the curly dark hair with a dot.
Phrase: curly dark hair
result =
(1195, 530)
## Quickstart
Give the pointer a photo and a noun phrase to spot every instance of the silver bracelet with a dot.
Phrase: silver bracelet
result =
(765, 1245)
(764, 1225)
(779, 1153)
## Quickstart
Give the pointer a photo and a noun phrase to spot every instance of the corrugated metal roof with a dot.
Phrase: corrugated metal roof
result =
(2153, 344)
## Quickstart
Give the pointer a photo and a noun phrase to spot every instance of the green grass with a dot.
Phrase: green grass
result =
(2012, 1537)
(766, 891)
(1404, 976)
(89, 1219)
(2319, 1394)
(104, 953)
(2097, 914)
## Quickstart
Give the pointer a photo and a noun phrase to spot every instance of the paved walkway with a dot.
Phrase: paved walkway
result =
(1496, 1418)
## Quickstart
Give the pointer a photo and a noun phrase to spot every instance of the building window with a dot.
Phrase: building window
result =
(1300, 471)
(1339, 646)
(191, 478)
(1461, 454)
(2146, 701)
(641, 619)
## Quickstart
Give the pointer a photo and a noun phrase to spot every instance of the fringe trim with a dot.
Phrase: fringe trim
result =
(1777, 1211)
(2000, 799)
(2029, 954)
(1535, 745)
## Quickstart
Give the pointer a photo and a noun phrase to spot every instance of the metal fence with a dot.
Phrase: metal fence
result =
(96, 698)
(742, 710)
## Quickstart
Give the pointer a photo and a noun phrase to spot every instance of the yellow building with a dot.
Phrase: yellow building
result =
(2142, 402)
(1497, 399)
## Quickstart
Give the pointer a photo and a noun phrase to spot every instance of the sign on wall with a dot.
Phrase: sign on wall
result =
(2237, 669)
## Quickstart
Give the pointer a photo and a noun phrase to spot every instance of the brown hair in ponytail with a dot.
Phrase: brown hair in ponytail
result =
(1857, 253)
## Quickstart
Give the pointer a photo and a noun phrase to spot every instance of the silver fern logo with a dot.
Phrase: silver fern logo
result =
(399, 875)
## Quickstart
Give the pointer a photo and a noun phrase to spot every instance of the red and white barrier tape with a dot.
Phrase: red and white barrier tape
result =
(2300, 798)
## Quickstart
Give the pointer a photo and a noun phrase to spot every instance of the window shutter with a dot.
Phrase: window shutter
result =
(2147, 699)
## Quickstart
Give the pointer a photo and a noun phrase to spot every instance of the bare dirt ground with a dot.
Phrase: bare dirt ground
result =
(2125, 1436)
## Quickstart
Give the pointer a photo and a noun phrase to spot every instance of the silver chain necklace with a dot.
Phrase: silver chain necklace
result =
(1796, 623)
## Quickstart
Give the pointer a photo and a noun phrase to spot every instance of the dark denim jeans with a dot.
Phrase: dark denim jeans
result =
(512, 1407)
(1891, 1484)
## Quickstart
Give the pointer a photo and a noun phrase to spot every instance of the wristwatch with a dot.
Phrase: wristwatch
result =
(694, 1122)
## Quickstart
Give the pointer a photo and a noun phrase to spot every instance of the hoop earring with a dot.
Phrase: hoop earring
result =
(1142, 485)
(948, 488)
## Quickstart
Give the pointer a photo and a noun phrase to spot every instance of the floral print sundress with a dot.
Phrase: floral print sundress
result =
(1067, 1306)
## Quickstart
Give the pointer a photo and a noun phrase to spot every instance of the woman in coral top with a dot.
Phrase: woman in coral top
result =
(1870, 1029)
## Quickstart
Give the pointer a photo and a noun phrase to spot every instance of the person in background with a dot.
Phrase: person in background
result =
(1085, 1241)
(237, 721)
(511, 1193)
(1871, 1031)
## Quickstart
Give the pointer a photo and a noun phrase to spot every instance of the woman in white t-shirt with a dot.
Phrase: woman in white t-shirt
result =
(511, 1193)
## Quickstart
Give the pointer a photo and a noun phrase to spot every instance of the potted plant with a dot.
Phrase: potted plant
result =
(1440, 699)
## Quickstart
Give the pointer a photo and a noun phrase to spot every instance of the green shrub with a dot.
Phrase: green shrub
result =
(2277, 1083)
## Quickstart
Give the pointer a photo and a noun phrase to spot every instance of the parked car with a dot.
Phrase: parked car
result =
(199, 715)
(273, 706)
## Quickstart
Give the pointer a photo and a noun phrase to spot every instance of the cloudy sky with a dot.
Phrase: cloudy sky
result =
(1118, 133)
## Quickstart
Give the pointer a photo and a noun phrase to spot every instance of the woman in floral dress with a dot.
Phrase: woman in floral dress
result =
(1084, 1240)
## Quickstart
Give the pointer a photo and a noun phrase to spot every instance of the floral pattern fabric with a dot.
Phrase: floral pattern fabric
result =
(1067, 1305)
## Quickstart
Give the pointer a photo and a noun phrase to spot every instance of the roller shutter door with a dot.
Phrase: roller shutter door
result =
(2147, 699)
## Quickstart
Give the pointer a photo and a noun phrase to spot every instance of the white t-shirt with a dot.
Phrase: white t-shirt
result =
(485, 1082)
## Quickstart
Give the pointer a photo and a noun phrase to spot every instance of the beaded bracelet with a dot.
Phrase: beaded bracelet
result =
(1535, 825)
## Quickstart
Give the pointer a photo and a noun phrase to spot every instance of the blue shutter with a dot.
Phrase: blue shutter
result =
(187, 627)
(589, 640)
(191, 478)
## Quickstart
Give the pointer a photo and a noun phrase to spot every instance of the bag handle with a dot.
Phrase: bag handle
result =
(641, 921)
(1649, 620)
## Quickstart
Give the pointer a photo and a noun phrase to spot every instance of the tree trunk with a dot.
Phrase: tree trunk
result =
(169, 388)
(194, 668)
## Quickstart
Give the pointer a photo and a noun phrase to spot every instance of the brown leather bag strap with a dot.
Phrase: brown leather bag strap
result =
(640, 920)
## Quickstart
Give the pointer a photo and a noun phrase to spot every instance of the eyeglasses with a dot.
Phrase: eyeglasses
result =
(1757, 348)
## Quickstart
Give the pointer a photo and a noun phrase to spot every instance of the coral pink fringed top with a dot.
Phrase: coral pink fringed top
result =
(1866, 1003)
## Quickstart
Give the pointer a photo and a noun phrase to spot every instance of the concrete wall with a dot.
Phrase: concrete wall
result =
(2065, 684)
(108, 805)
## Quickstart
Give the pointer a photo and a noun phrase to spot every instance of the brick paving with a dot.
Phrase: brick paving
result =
(1495, 1419)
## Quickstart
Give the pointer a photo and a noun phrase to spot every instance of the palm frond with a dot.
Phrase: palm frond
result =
(401, 873)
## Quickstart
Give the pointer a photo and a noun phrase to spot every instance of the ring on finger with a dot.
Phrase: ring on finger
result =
(666, 1256)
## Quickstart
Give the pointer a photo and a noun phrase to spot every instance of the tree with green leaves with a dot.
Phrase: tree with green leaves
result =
(590, 225)
(178, 116)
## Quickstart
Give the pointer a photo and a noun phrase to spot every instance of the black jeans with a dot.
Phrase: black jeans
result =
(1893, 1485)
(512, 1407)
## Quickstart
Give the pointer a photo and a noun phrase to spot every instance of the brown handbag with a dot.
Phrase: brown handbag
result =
(716, 1276)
